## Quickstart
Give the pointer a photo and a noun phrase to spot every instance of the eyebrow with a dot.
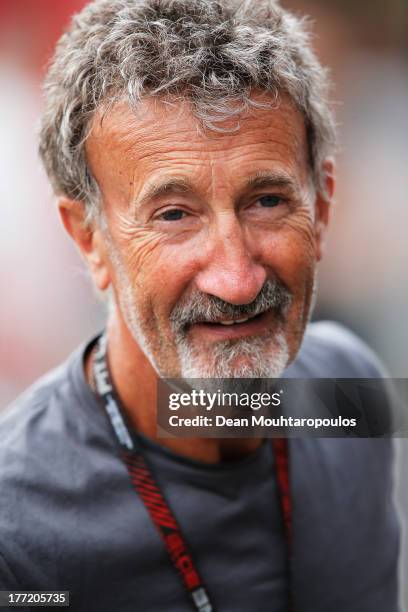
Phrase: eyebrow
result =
(260, 180)
(157, 190)
(276, 179)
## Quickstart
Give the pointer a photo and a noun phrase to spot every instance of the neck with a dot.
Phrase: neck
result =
(135, 381)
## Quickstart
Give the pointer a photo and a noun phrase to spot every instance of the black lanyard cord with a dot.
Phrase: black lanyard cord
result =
(149, 492)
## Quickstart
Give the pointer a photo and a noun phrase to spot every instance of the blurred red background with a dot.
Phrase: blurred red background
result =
(48, 305)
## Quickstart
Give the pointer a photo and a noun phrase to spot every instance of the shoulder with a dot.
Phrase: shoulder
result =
(33, 406)
(49, 408)
(29, 432)
(50, 422)
(52, 437)
(330, 350)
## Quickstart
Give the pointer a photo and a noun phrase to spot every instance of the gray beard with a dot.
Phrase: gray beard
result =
(264, 358)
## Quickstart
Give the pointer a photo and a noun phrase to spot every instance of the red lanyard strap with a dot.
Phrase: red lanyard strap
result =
(169, 530)
(281, 453)
(149, 491)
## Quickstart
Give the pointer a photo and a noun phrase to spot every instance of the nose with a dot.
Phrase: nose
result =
(231, 270)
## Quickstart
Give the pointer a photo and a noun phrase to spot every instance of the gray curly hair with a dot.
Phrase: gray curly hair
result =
(213, 52)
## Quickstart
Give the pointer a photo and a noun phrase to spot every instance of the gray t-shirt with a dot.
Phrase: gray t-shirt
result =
(70, 519)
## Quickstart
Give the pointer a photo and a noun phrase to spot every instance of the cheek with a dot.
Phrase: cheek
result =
(291, 256)
(159, 270)
(290, 253)
(172, 274)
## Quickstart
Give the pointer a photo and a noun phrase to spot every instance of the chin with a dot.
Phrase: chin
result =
(250, 358)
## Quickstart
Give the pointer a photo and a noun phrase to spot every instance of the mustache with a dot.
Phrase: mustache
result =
(206, 308)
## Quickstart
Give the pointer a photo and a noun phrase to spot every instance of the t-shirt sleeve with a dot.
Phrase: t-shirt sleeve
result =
(329, 350)
(8, 581)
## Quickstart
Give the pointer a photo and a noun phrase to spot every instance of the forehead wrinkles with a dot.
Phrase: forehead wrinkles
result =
(153, 119)
(161, 136)
(155, 116)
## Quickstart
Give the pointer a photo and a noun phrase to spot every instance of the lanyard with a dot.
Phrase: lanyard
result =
(149, 492)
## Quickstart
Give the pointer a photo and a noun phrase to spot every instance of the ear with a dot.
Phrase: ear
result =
(323, 208)
(88, 238)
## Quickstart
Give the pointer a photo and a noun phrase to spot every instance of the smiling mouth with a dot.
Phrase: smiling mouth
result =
(236, 321)
(230, 329)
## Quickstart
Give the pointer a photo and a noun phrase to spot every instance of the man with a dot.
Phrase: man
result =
(190, 144)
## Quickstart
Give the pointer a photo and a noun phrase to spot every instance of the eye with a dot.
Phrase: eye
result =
(174, 214)
(269, 201)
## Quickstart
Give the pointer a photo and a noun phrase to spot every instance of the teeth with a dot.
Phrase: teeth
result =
(232, 322)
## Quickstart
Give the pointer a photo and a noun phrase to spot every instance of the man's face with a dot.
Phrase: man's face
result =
(211, 237)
